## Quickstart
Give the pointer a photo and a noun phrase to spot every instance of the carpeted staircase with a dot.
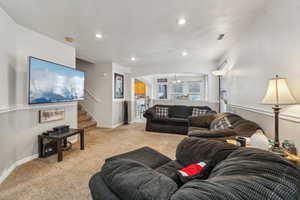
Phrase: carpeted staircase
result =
(85, 121)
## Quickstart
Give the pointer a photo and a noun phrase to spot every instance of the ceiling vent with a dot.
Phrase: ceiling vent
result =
(221, 36)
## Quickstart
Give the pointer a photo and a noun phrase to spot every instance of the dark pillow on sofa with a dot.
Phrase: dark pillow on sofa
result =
(132, 180)
(198, 170)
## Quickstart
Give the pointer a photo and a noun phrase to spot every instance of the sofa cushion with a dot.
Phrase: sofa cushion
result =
(171, 121)
(144, 155)
(135, 181)
(170, 169)
(192, 150)
(162, 112)
(178, 111)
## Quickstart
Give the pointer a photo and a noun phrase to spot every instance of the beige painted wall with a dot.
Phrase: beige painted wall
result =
(269, 46)
(19, 121)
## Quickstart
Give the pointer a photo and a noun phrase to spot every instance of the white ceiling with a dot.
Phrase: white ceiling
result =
(146, 29)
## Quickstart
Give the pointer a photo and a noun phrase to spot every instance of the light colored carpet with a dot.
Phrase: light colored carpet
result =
(45, 179)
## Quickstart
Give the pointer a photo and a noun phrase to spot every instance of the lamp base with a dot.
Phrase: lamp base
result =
(278, 150)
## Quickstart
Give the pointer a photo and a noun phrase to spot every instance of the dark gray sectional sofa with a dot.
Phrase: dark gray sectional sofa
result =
(235, 173)
(177, 120)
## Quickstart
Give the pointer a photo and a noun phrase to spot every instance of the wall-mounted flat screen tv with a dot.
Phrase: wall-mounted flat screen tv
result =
(50, 82)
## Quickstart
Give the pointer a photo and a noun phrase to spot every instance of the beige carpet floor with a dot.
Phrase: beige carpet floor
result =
(46, 179)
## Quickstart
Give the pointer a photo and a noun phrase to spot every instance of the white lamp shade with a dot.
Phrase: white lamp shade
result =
(278, 93)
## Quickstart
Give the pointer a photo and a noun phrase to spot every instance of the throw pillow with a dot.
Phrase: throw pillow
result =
(198, 112)
(222, 123)
(199, 170)
(162, 112)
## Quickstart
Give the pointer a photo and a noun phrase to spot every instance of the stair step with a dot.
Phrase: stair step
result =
(79, 106)
(83, 118)
(87, 124)
(81, 112)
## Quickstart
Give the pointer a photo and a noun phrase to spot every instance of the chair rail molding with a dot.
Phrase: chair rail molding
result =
(283, 116)
(11, 108)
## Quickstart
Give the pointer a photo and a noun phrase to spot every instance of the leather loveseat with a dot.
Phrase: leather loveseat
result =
(235, 173)
(176, 119)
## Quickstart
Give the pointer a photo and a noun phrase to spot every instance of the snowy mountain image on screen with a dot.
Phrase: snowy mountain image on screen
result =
(51, 82)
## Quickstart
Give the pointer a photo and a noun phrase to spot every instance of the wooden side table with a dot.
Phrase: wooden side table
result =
(61, 139)
(290, 157)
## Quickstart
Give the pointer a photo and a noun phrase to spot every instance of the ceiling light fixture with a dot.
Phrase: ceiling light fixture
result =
(133, 59)
(184, 53)
(181, 21)
(99, 35)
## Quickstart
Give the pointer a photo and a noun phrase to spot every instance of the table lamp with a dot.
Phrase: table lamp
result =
(278, 93)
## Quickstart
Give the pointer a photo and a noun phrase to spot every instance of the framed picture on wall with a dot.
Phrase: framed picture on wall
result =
(119, 86)
(51, 115)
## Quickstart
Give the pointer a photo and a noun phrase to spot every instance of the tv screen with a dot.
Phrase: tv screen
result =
(51, 82)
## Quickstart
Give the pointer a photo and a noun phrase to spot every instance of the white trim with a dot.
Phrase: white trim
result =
(11, 108)
(9, 170)
(117, 125)
(112, 126)
(283, 116)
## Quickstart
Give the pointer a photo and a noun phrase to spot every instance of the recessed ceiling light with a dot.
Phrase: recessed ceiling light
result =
(133, 59)
(99, 35)
(184, 53)
(181, 21)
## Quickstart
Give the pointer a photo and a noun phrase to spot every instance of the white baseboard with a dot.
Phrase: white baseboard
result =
(9, 170)
(117, 125)
(112, 126)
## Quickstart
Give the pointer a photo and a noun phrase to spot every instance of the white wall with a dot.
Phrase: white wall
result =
(107, 111)
(270, 46)
(118, 104)
(19, 121)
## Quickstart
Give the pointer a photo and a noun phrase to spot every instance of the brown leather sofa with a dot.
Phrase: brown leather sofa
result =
(203, 126)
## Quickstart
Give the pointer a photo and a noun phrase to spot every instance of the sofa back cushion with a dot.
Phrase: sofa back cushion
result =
(192, 150)
(179, 111)
(132, 180)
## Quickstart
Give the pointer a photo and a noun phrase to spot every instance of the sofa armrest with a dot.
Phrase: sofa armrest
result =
(133, 180)
(202, 121)
(150, 113)
(213, 133)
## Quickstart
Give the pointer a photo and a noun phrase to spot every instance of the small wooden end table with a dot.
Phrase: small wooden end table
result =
(290, 157)
(61, 139)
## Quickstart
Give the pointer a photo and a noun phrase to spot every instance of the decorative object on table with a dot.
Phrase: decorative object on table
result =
(241, 141)
(51, 115)
(61, 129)
(119, 86)
(278, 93)
(259, 140)
(289, 146)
